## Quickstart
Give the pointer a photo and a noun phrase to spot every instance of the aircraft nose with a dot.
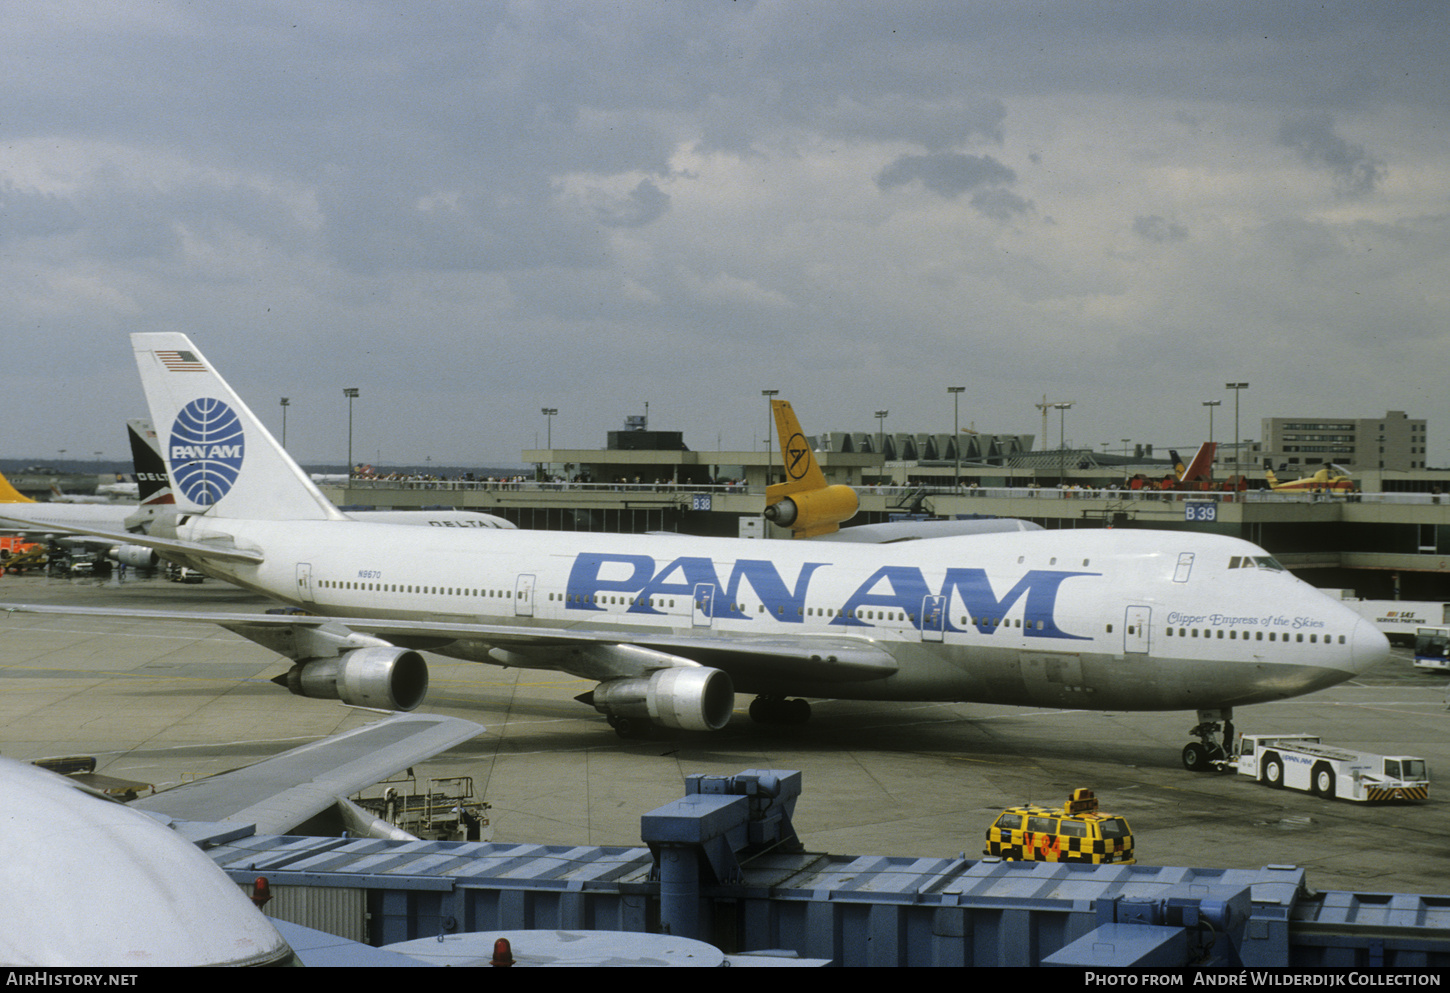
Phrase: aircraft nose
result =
(1369, 646)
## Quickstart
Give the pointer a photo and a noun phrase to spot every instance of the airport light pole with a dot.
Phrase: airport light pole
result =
(1062, 409)
(351, 393)
(956, 392)
(769, 431)
(881, 435)
(285, 404)
(549, 413)
(1238, 442)
(1210, 404)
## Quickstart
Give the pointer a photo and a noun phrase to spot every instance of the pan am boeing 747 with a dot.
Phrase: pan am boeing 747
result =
(671, 628)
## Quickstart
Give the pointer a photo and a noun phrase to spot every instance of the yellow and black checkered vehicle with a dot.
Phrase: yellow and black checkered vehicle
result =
(1077, 832)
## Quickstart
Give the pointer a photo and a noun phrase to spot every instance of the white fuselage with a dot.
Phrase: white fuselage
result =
(1112, 619)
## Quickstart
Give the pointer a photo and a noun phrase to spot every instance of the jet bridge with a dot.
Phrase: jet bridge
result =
(724, 865)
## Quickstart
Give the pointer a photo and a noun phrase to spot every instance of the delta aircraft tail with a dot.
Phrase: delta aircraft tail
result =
(219, 455)
(153, 484)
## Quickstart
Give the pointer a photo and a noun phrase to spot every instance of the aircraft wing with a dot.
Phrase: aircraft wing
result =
(282, 792)
(889, 531)
(582, 651)
(66, 518)
(596, 654)
(109, 531)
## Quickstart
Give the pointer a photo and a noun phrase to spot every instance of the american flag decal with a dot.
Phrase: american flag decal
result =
(181, 361)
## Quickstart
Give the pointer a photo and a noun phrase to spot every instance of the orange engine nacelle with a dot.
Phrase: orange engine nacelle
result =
(812, 512)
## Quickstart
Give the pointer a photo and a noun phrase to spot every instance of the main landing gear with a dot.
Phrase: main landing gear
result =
(1215, 734)
(777, 710)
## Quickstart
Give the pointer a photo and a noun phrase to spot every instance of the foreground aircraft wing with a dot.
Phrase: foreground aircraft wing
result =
(222, 549)
(581, 651)
(66, 518)
(282, 792)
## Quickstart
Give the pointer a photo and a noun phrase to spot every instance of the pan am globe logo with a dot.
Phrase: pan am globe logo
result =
(206, 450)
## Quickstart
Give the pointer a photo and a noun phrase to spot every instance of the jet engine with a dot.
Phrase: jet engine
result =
(812, 512)
(385, 677)
(687, 697)
(134, 555)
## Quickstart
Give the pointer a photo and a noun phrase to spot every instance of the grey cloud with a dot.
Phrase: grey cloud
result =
(1159, 229)
(1000, 205)
(118, 219)
(371, 229)
(1355, 171)
(947, 174)
(28, 214)
(645, 203)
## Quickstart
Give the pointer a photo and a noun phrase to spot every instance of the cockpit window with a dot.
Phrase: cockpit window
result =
(1255, 562)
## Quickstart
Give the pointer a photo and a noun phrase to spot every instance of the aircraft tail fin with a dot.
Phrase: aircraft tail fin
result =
(804, 503)
(152, 481)
(9, 494)
(802, 471)
(219, 455)
(1202, 465)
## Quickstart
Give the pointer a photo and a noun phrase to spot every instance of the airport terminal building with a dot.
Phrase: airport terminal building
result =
(1394, 442)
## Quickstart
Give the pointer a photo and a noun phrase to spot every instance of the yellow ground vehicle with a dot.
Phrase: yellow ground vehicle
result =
(1077, 832)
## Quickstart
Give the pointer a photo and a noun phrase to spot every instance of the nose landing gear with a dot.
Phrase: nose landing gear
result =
(1215, 734)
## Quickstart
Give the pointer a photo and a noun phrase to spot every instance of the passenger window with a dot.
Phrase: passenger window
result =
(1010, 822)
(1073, 829)
(1042, 825)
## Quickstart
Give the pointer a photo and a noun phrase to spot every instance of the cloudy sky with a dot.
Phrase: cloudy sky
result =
(473, 210)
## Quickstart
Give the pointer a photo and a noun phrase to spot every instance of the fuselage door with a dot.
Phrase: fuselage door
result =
(933, 618)
(704, 610)
(1185, 566)
(524, 596)
(304, 582)
(1135, 629)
